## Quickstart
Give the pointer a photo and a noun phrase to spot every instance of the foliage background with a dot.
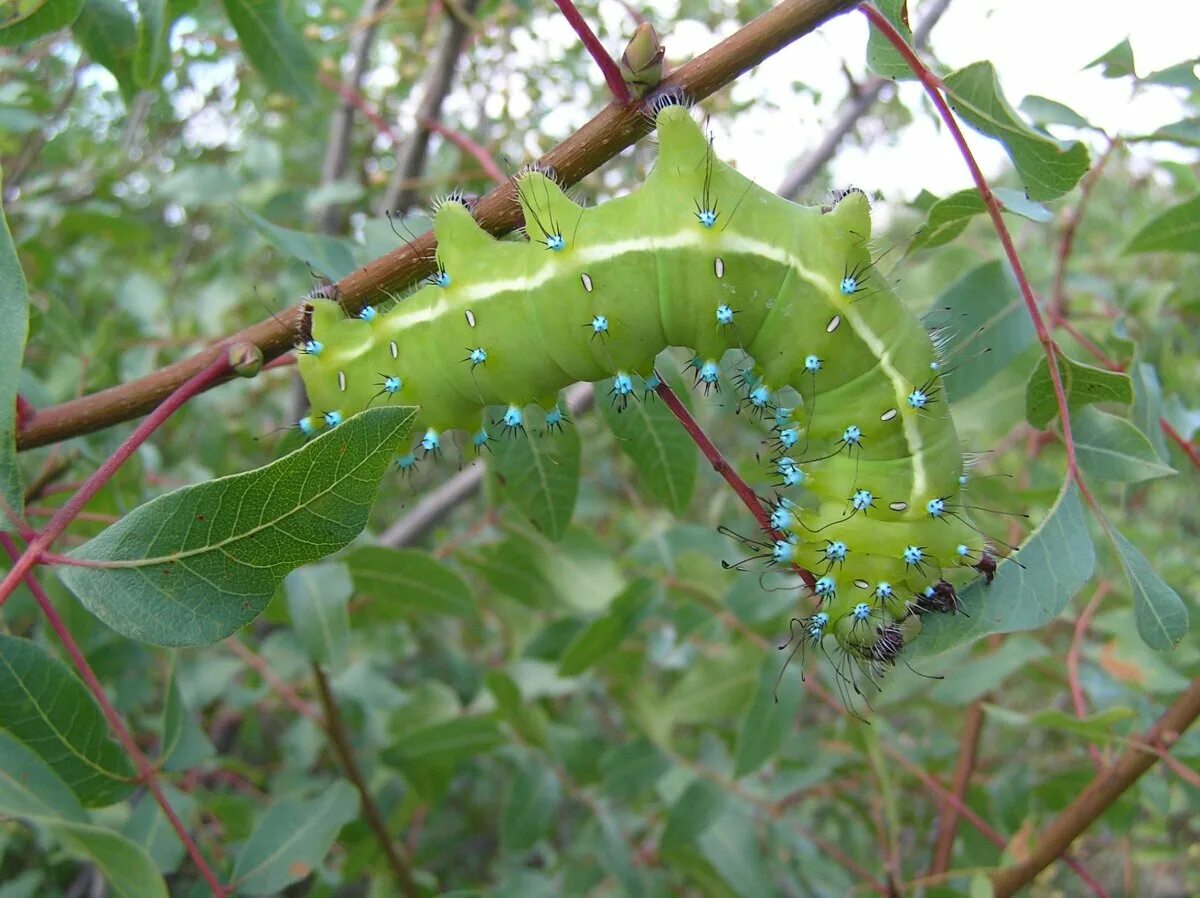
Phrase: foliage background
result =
(595, 714)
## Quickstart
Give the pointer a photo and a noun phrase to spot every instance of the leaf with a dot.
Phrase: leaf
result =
(408, 581)
(1162, 618)
(292, 838)
(1056, 561)
(1182, 74)
(605, 633)
(45, 706)
(701, 803)
(125, 866)
(1185, 132)
(184, 742)
(540, 473)
(148, 827)
(14, 328)
(986, 326)
(1115, 63)
(318, 597)
(1018, 203)
(985, 673)
(1043, 111)
(151, 54)
(950, 216)
(1175, 230)
(44, 17)
(652, 436)
(1048, 168)
(882, 58)
(770, 717)
(327, 255)
(106, 30)
(448, 742)
(273, 46)
(533, 799)
(1147, 406)
(632, 770)
(1083, 385)
(194, 565)
(29, 787)
(1098, 727)
(731, 845)
(1113, 450)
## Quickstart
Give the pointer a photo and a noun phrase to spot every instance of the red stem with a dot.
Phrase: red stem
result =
(32, 556)
(1077, 698)
(464, 143)
(146, 773)
(359, 102)
(612, 74)
(721, 466)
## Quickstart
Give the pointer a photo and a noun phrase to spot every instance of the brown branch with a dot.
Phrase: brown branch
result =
(947, 827)
(1104, 789)
(607, 134)
(340, 741)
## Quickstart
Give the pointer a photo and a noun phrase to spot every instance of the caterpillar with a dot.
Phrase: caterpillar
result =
(869, 491)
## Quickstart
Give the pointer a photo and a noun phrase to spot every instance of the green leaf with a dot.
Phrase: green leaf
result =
(106, 30)
(981, 887)
(731, 845)
(1162, 618)
(1083, 385)
(273, 46)
(148, 827)
(184, 742)
(632, 770)
(984, 673)
(1113, 450)
(408, 581)
(30, 788)
(427, 756)
(45, 706)
(14, 328)
(1048, 168)
(701, 803)
(1056, 561)
(1147, 406)
(33, 19)
(986, 326)
(950, 216)
(1182, 74)
(125, 866)
(194, 565)
(540, 473)
(533, 799)
(1175, 230)
(770, 718)
(882, 58)
(1098, 727)
(1185, 132)
(605, 633)
(1018, 203)
(292, 838)
(1042, 111)
(327, 255)
(151, 55)
(1115, 63)
(318, 598)
(652, 436)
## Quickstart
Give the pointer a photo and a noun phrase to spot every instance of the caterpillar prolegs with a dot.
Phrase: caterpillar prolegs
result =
(869, 488)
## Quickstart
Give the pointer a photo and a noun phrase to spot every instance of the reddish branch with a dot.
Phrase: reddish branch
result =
(1078, 702)
(468, 146)
(147, 776)
(606, 64)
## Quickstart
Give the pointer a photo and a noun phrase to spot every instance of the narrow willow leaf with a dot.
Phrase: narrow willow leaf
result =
(1147, 406)
(194, 565)
(882, 58)
(540, 473)
(446, 742)
(1162, 618)
(37, 18)
(652, 436)
(292, 838)
(106, 30)
(701, 803)
(45, 706)
(1048, 168)
(771, 715)
(1056, 561)
(273, 46)
(408, 581)
(126, 866)
(327, 255)
(533, 799)
(1083, 384)
(150, 58)
(1098, 727)
(731, 845)
(14, 328)
(1111, 449)
(1176, 230)
(605, 633)
(318, 599)
(985, 326)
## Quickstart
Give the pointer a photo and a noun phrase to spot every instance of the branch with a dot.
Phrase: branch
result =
(608, 67)
(1105, 788)
(340, 741)
(947, 826)
(607, 134)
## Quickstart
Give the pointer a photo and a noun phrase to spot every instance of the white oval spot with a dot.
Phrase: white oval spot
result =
(342, 381)
(470, 317)
(394, 349)
(833, 324)
(862, 584)
(888, 415)
(898, 506)
(587, 281)
(719, 267)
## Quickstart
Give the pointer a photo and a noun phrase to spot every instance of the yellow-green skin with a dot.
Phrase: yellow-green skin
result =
(658, 274)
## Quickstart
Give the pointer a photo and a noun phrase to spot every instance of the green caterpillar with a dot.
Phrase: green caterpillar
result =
(697, 257)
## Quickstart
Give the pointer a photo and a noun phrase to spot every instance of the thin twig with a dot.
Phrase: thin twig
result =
(607, 65)
(1080, 632)
(340, 740)
(259, 665)
(947, 827)
(468, 146)
(147, 775)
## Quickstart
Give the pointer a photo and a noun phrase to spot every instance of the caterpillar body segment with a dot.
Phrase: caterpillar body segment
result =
(702, 258)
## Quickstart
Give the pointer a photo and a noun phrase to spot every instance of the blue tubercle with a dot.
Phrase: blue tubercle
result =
(781, 516)
(333, 419)
(312, 347)
(710, 372)
(431, 442)
(622, 384)
(391, 385)
(962, 480)
(836, 551)
(407, 462)
(883, 590)
(477, 356)
(441, 279)
(652, 383)
(918, 399)
(790, 472)
(368, 313)
(783, 551)
(514, 418)
(555, 418)
(306, 426)
(936, 507)
(707, 217)
(480, 439)
(852, 435)
(962, 551)
(599, 324)
(861, 612)
(812, 364)
(789, 437)
(760, 396)
(913, 556)
(724, 315)
(783, 416)
(556, 243)
(862, 500)
(849, 285)
(825, 587)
